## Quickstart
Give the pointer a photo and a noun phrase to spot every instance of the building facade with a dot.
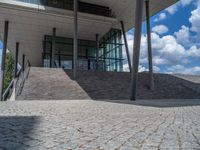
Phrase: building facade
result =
(76, 34)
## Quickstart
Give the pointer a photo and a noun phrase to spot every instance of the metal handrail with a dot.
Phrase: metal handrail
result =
(9, 89)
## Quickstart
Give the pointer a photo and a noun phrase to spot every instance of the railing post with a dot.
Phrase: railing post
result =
(23, 62)
(16, 58)
(3, 60)
(137, 42)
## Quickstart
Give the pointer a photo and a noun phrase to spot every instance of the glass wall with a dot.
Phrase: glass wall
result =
(64, 53)
(110, 52)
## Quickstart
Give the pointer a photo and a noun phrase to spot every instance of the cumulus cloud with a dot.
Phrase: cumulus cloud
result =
(183, 35)
(142, 68)
(174, 8)
(185, 2)
(162, 16)
(156, 69)
(195, 19)
(180, 69)
(194, 52)
(160, 29)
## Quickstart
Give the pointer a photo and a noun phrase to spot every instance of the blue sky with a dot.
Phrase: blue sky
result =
(175, 39)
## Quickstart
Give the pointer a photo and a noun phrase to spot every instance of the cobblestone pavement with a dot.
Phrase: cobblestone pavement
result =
(98, 125)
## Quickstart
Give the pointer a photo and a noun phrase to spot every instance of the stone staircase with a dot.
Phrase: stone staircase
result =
(50, 84)
(57, 84)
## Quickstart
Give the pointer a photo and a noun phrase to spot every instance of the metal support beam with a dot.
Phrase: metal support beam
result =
(16, 58)
(53, 48)
(23, 62)
(97, 51)
(3, 59)
(126, 45)
(75, 52)
(151, 79)
(137, 42)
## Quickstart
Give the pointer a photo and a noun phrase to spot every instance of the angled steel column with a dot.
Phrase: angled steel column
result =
(97, 51)
(126, 45)
(53, 48)
(137, 42)
(75, 39)
(3, 60)
(16, 58)
(151, 79)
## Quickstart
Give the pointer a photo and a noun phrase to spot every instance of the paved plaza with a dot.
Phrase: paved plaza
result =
(100, 125)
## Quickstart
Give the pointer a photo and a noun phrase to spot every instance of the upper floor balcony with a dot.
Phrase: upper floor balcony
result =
(68, 5)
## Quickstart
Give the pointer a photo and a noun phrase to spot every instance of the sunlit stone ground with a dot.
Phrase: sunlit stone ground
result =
(100, 125)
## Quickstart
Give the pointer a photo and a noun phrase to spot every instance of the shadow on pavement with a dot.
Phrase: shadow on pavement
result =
(16, 131)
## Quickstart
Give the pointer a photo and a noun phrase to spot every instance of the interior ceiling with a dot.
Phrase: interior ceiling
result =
(28, 26)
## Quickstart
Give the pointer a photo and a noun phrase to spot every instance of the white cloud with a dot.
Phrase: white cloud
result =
(160, 29)
(166, 50)
(126, 67)
(195, 19)
(174, 8)
(142, 68)
(194, 52)
(185, 2)
(179, 69)
(183, 35)
(156, 69)
(162, 16)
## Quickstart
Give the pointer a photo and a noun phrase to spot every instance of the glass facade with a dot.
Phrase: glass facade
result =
(68, 4)
(110, 52)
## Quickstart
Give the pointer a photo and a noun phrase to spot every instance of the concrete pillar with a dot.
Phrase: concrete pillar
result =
(97, 51)
(53, 48)
(126, 45)
(137, 43)
(3, 60)
(151, 79)
(75, 52)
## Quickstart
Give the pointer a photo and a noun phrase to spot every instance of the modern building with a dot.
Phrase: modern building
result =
(76, 34)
